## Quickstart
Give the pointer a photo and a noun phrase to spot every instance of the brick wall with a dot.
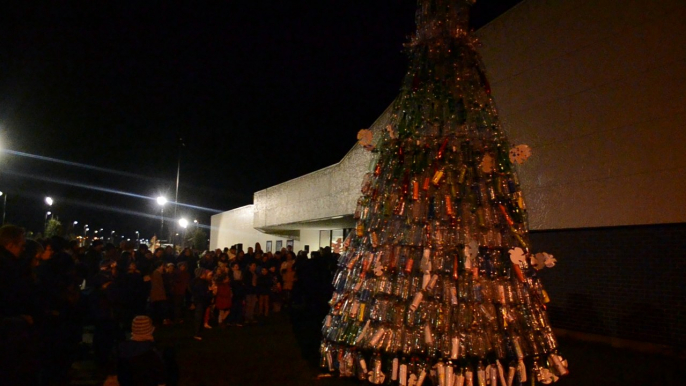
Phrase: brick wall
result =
(627, 282)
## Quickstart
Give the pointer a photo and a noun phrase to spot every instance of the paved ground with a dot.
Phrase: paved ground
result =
(282, 351)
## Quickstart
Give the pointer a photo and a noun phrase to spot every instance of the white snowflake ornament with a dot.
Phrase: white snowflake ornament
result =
(365, 137)
(517, 256)
(542, 260)
(547, 377)
(520, 153)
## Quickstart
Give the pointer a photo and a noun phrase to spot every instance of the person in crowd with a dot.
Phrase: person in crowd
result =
(240, 259)
(136, 289)
(169, 270)
(110, 252)
(102, 316)
(158, 294)
(17, 316)
(169, 256)
(249, 256)
(288, 278)
(140, 253)
(238, 291)
(180, 283)
(223, 298)
(202, 297)
(145, 262)
(250, 280)
(275, 296)
(208, 262)
(265, 282)
(92, 260)
(139, 362)
(184, 256)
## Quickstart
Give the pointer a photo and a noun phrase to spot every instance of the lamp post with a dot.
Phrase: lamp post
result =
(4, 205)
(183, 223)
(112, 237)
(161, 200)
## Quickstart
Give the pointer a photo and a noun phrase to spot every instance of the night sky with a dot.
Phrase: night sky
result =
(260, 91)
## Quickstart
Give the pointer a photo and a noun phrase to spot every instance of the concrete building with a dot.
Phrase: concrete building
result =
(598, 90)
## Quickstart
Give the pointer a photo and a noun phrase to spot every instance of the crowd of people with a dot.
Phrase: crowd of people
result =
(51, 288)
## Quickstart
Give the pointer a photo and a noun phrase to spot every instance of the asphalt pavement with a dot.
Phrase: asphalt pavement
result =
(282, 350)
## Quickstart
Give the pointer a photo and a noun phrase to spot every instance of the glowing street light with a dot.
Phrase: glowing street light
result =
(49, 201)
(161, 200)
(4, 204)
(183, 223)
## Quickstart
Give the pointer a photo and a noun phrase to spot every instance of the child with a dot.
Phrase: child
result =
(265, 282)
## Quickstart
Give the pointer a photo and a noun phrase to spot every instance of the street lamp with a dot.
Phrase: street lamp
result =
(49, 201)
(137, 235)
(47, 214)
(4, 204)
(161, 200)
(183, 223)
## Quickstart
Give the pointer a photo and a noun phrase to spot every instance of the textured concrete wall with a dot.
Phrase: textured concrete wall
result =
(235, 227)
(596, 88)
(325, 193)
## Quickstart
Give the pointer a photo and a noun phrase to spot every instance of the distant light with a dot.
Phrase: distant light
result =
(161, 200)
(0, 193)
(195, 221)
(127, 239)
(49, 213)
(49, 201)
(76, 222)
(183, 223)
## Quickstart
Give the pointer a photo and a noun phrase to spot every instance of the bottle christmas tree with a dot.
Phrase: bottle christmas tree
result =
(437, 282)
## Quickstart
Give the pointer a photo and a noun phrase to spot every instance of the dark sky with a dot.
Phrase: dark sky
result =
(260, 91)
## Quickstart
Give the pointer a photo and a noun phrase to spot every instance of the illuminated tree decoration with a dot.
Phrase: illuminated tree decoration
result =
(437, 281)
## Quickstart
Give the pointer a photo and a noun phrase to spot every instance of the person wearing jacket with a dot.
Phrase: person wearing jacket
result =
(158, 294)
(202, 297)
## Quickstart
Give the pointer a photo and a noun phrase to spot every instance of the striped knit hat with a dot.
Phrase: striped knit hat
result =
(142, 328)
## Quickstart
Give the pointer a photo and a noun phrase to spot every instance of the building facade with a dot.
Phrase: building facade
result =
(598, 90)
